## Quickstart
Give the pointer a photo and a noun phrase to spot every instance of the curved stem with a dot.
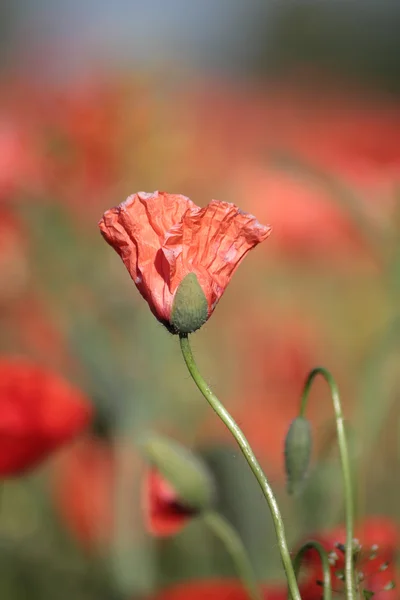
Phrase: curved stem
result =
(325, 565)
(232, 542)
(345, 462)
(248, 453)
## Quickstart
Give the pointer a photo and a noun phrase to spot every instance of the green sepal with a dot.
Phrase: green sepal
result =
(190, 306)
(183, 470)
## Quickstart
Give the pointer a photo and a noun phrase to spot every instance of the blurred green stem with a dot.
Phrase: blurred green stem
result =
(346, 471)
(233, 544)
(325, 565)
(248, 453)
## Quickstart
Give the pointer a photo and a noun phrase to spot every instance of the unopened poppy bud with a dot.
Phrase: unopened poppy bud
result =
(298, 445)
(190, 307)
(184, 471)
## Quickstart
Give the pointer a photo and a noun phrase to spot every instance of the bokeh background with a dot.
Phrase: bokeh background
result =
(290, 110)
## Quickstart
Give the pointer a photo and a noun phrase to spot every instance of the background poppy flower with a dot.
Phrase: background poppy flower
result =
(20, 165)
(82, 485)
(162, 238)
(217, 589)
(13, 256)
(39, 412)
(374, 561)
(164, 512)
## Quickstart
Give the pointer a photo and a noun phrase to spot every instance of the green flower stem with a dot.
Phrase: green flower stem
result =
(325, 565)
(248, 453)
(232, 542)
(346, 471)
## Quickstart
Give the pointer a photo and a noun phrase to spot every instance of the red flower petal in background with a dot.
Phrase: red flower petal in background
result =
(217, 589)
(84, 482)
(81, 134)
(13, 256)
(343, 131)
(39, 412)
(38, 333)
(164, 513)
(274, 357)
(20, 164)
(308, 222)
(351, 135)
(275, 360)
(346, 134)
(163, 237)
(82, 487)
(379, 538)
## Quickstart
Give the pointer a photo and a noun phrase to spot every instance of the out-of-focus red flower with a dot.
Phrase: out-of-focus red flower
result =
(39, 412)
(162, 238)
(20, 163)
(80, 138)
(378, 540)
(273, 362)
(348, 135)
(38, 333)
(164, 512)
(345, 132)
(13, 256)
(351, 135)
(308, 222)
(218, 589)
(276, 354)
(82, 485)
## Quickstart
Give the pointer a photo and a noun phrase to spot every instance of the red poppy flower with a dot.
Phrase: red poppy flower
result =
(39, 412)
(375, 546)
(81, 142)
(217, 589)
(165, 514)
(37, 332)
(308, 222)
(20, 164)
(13, 256)
(82, 487)
(162, 238)
(275, 352)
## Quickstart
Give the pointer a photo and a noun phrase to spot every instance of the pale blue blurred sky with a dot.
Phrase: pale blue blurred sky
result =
(59, 37)
(204, 33)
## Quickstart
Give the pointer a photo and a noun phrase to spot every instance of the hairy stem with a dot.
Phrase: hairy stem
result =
(325, 565)
(346, 471)
(248, 453)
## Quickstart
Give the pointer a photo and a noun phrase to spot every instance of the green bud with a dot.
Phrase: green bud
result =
(190, 306)
(298, 445)
(187, 474)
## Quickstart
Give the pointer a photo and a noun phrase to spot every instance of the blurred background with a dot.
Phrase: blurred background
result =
(290, 110)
